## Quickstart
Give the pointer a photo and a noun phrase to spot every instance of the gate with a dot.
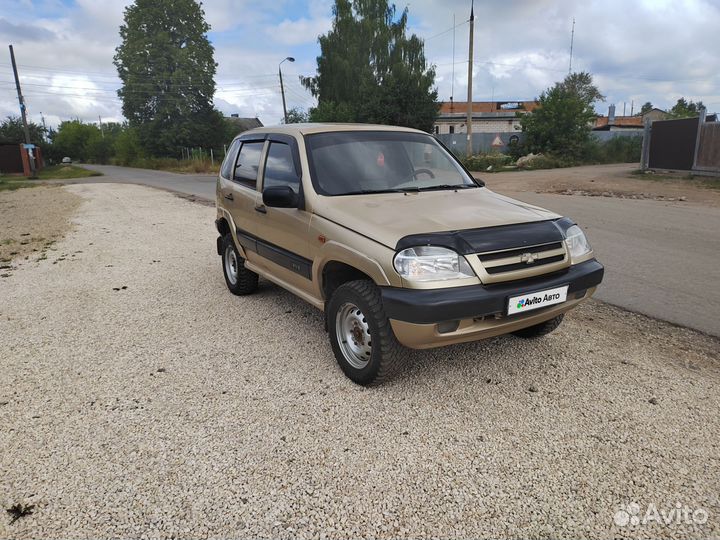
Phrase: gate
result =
(10, 159)
(672, 144)
(708, 152)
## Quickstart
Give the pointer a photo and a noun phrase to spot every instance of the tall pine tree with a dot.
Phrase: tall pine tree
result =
(370, 71)
(166, 65)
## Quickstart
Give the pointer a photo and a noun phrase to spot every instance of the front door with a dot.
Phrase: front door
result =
(282, 232)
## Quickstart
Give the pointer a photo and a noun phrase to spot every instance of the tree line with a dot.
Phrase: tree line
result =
(369, 70)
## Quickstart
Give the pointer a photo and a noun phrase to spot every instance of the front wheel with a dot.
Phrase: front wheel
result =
(360, 334)
(239, 279)
(539, 330)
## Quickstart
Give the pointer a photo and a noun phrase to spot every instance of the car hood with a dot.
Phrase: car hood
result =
(388, 217)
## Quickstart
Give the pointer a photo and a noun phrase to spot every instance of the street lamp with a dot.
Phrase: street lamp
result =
(282, 88)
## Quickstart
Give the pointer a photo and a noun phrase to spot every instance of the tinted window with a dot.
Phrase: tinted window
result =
(370, 161)
(248, 162)
(226, 169)
(280, 167)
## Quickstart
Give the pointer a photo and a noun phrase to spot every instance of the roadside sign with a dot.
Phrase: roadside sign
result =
(497, 141)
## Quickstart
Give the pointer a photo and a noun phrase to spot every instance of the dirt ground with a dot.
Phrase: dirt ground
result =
(31, 221)
(140, 398)
(609, 180)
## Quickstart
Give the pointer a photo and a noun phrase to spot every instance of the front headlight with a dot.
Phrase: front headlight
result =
(576, 242)
(431, 263)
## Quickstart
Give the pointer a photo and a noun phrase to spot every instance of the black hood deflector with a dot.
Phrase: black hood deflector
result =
(491, 238)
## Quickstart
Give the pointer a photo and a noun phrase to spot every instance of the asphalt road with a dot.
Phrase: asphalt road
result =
(201, 185)
(662, 259)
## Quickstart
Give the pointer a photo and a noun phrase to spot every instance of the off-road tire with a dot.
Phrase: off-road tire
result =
(246, 281)
(387, 354)
(539, 330)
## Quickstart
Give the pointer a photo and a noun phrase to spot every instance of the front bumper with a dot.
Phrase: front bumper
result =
(423, 318)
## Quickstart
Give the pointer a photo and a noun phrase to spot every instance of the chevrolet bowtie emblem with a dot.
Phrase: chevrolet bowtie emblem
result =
(529, 258)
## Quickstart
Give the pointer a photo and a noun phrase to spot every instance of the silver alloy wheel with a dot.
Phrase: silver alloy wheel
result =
(353, 335)
(231, 265)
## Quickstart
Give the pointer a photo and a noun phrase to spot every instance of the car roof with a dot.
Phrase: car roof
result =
(306, 129)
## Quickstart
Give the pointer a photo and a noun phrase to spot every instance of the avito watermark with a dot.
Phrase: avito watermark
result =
(632, 515)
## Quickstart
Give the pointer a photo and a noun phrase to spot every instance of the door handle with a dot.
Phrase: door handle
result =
(229, 197)
(261, 208)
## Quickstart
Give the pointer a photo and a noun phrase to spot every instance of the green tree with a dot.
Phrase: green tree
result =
(646, 108)
(296, 115)
(11, 131)
(370, 71)
(127, 146)
(82, 142)
(685, 109)
(166, 65)
(98, 147)
(561, 124)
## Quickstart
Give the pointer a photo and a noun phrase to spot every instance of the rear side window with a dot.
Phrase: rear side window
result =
(248, 162)
(227, 166)
(280, 167)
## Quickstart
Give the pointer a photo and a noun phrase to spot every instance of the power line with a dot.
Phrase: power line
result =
(595, 72)
(102, 74)
(130, 90)
(453, 27)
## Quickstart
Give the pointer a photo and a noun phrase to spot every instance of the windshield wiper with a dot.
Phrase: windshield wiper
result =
(446, 186)
(371, 191)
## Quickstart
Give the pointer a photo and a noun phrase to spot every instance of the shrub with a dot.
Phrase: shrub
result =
(621, 149)
(546, 161)
(481, 162)
(127, 147)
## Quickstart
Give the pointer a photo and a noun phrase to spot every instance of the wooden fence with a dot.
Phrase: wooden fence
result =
(708, 148)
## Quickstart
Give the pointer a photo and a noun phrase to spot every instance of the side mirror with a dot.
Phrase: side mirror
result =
(280, 197)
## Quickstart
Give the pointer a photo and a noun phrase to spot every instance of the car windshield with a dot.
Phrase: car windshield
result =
(354, 162)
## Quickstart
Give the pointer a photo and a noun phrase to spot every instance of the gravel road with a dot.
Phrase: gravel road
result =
(657, 253)
(140, 399)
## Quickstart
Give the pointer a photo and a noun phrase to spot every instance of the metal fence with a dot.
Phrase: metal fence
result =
(483, 143)
(672, 144)
(687, 144)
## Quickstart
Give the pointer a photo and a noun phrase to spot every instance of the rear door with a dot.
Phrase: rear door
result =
(240, 193)
(282, 232)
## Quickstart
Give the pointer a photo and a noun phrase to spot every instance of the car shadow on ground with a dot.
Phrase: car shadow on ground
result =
(488, 361)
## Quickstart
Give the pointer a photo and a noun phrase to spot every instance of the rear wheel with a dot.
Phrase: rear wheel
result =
(239, 279)
(539, 330)
(360, 334)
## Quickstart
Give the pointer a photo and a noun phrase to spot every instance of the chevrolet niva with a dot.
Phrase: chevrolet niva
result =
(384, 230)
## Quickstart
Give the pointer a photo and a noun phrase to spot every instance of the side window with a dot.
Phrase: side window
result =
(280, 167)
(227, 166)
(248, 162)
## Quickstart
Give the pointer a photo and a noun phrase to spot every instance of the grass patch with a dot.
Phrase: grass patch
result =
(710, 182)
(65, 172)
(185, 166)
(11, 185)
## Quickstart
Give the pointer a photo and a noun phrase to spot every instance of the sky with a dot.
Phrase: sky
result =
(637, 51)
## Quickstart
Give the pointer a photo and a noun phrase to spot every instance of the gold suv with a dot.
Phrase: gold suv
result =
(384, 230)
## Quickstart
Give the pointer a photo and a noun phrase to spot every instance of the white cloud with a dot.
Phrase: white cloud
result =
(642, 51)
(299, 31)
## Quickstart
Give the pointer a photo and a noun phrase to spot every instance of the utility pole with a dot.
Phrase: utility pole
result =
(572, 42)
(102, 131)
(282, 88)
(468, 148)
(21, 100)
(452, 83)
